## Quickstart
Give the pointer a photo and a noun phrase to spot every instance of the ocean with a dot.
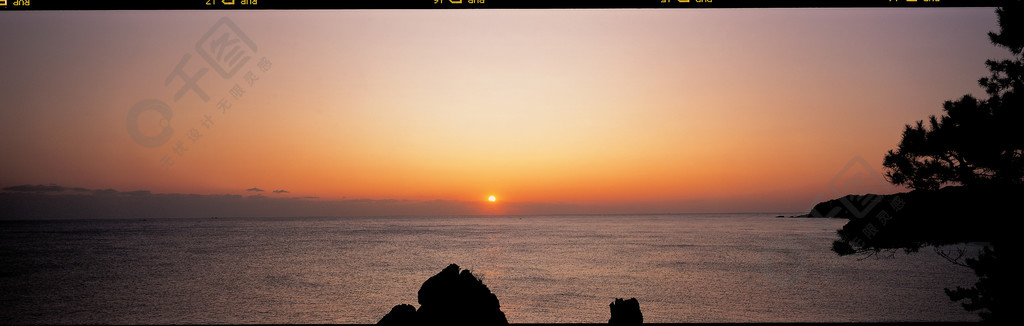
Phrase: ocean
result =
(550, 269)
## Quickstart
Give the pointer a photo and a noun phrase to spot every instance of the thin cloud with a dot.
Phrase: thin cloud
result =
(46, 202)
(281, 191)
(42, 189)
(254, 189)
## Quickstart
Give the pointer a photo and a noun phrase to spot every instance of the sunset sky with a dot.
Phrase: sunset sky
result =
(603, 110)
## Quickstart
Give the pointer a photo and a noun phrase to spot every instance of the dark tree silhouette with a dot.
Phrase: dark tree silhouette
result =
(977, 144)
(989, 295)
(975, 141)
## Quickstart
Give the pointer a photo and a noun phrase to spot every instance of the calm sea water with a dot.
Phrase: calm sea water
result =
(682, 268)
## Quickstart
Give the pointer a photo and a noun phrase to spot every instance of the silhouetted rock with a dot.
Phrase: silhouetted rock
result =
(626, 312)
(403, 314)
(450, 298)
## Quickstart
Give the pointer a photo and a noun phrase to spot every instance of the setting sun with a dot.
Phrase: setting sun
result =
(491, 199)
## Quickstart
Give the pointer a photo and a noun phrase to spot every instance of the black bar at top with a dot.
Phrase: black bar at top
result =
(8, 5)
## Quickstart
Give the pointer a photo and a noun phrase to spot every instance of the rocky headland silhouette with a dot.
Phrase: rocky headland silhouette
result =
(910, 220)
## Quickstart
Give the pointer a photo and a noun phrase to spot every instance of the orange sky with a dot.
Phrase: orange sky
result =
(657, 110)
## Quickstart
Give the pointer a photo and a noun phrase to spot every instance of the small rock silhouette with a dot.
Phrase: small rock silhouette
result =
(626, 312)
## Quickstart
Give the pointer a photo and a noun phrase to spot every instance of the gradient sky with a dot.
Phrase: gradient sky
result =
(645, 110)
